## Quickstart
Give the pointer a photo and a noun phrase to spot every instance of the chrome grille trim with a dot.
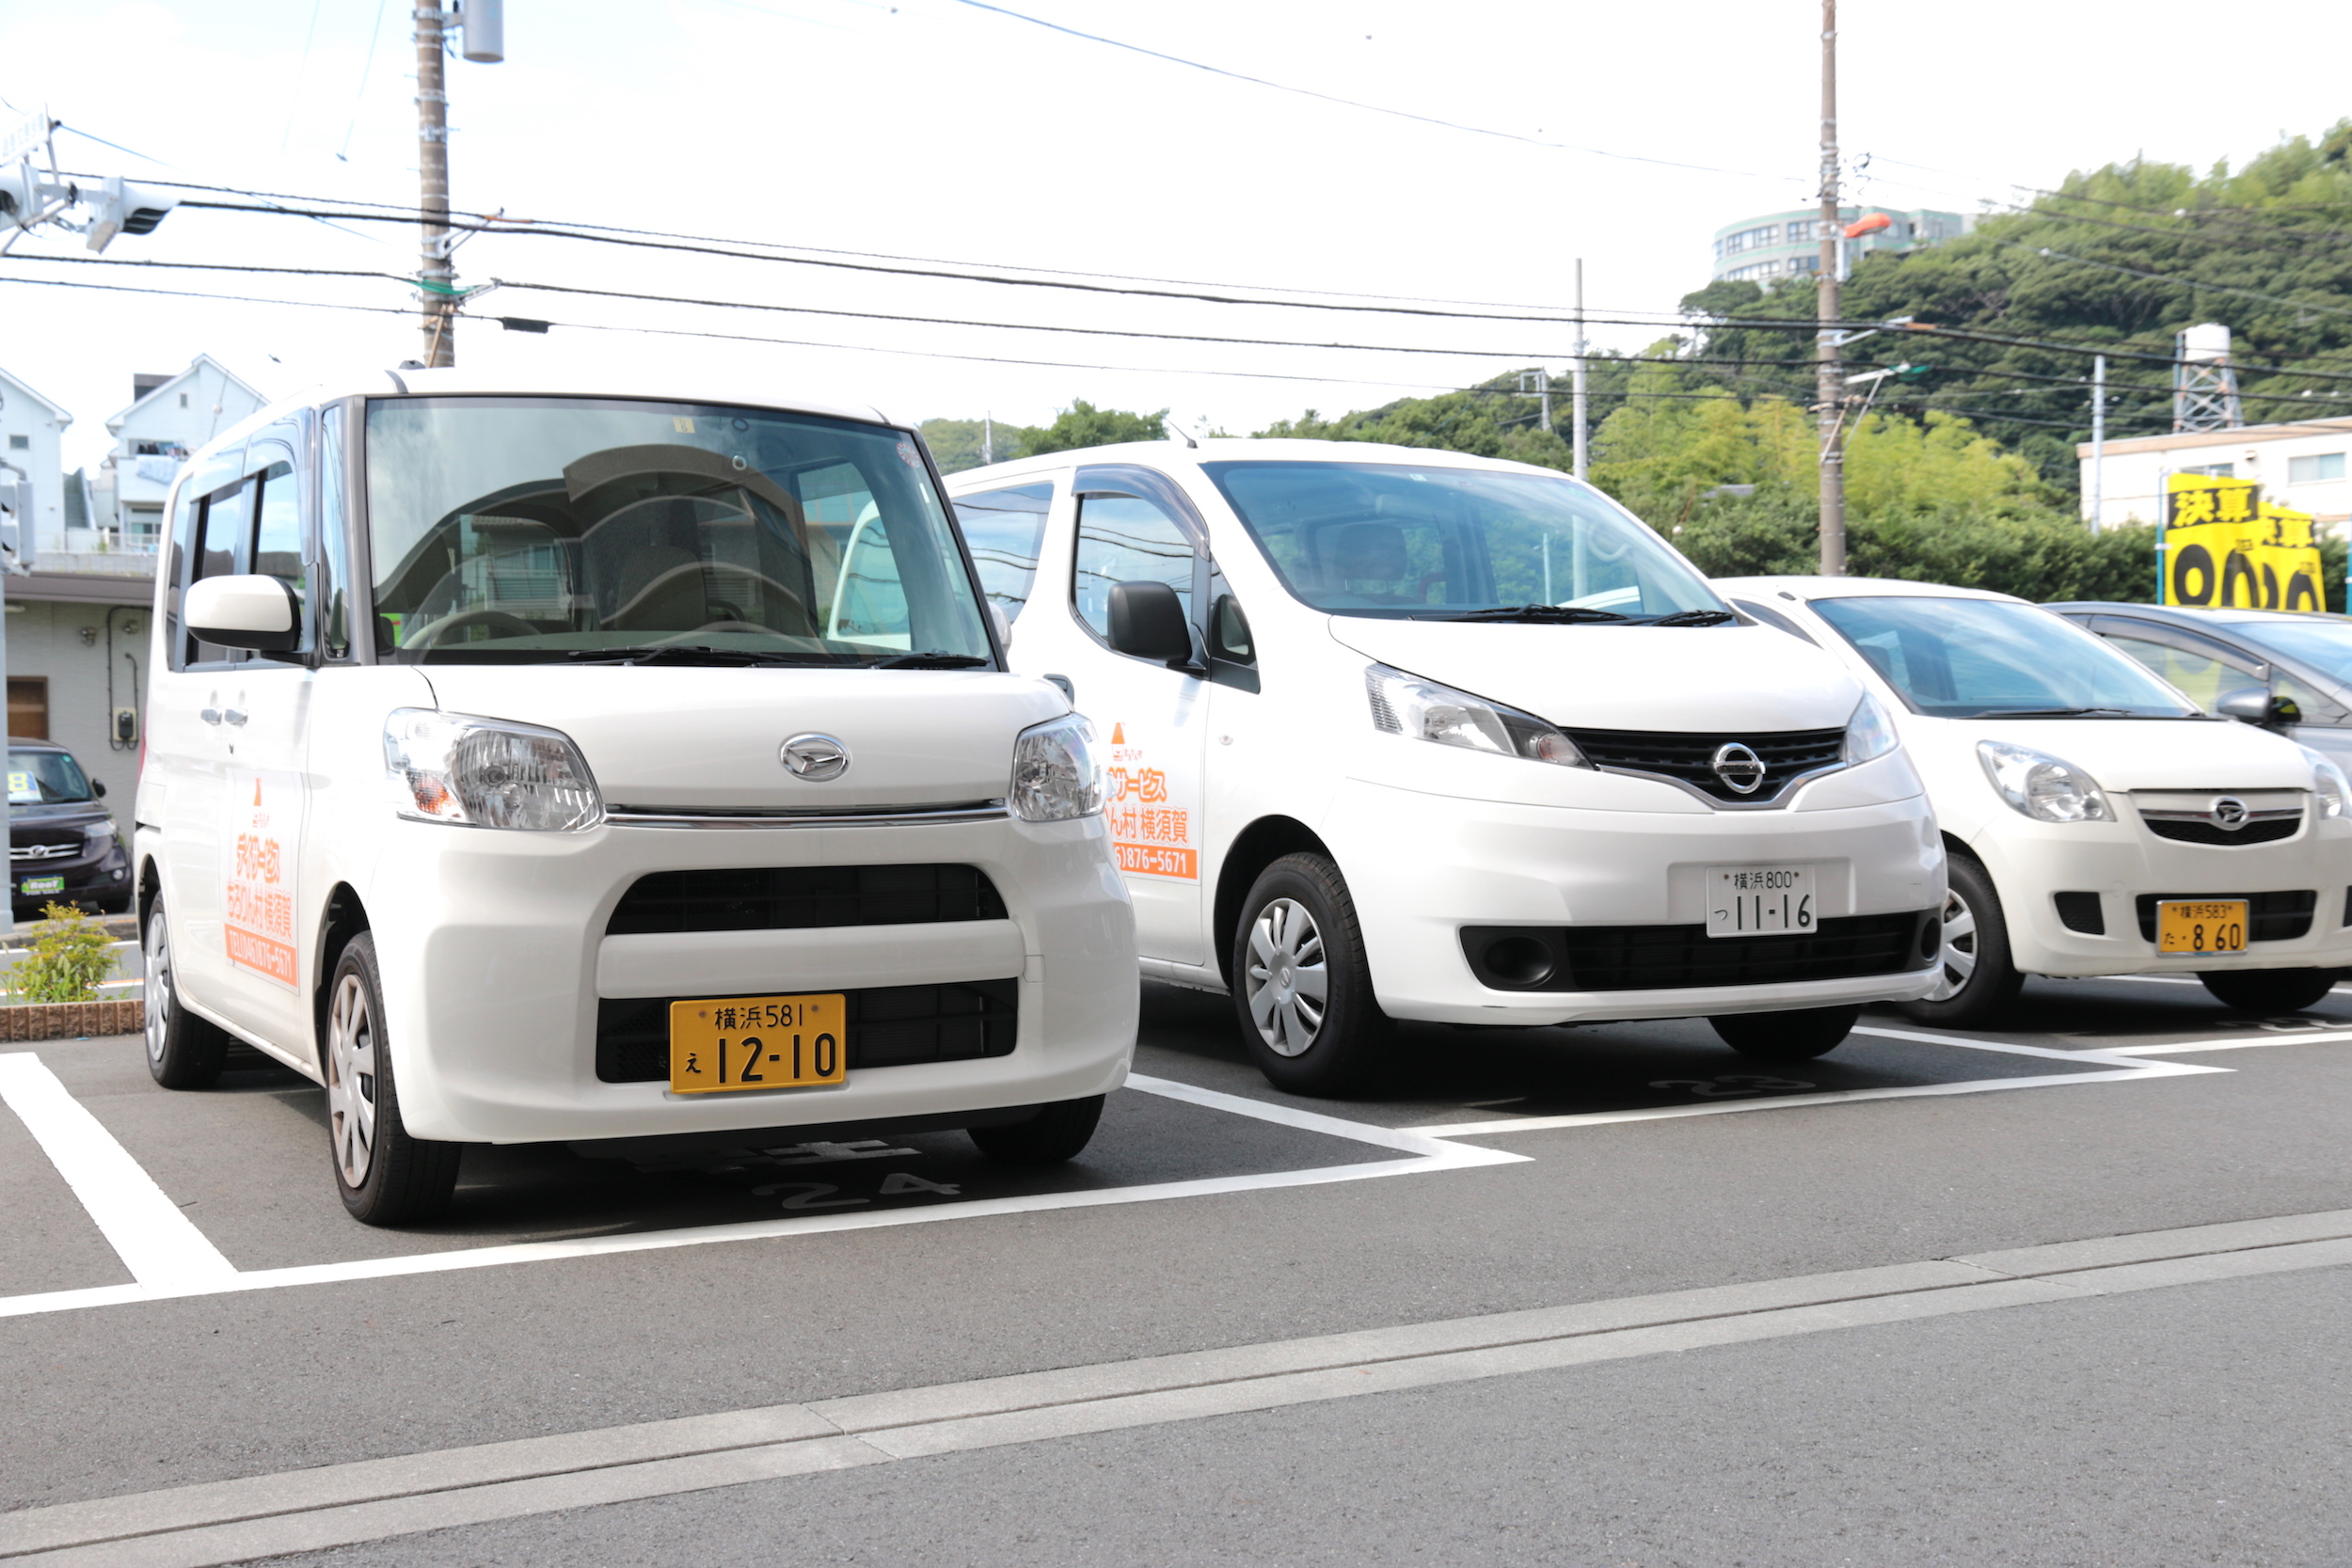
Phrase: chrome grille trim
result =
(903, 816)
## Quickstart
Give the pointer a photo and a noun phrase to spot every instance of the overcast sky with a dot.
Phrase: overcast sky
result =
(942, 129)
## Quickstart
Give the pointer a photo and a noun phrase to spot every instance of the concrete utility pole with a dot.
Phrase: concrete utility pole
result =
(2098, 437)
(439, 276)
(1576, 394)
(485, 26)
(1830, 388)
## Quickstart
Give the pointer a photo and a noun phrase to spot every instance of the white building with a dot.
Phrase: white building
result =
(168, 417)
(31, 428)
(2306, 466)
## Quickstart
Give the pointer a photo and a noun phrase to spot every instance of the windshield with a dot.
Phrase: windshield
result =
(43, 778)
(1969, 659)
(548, 528)
(2324, 645)
(1394, 540)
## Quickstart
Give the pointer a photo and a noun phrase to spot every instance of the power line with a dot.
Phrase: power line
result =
(1354, 103)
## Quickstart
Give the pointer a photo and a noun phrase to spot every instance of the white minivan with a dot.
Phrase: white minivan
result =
(1395, 734)
(569, 763)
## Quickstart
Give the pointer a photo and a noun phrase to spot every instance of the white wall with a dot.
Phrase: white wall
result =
(2134, 477)
(44, 639)
(187, 411)
(24, 415)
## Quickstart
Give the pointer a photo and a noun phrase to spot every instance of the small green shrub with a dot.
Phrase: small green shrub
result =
(69, 958)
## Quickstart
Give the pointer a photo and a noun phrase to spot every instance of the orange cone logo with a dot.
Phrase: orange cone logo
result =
(257, 792)
(1119, 735)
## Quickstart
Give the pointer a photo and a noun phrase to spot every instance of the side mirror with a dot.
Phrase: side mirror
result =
(98, 787)
(256, 614)
(1148, 621)
(2258, 707)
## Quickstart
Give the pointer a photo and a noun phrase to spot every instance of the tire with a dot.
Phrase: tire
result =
(183, 1051)
(2270, 991)
(1978, 982)
(386, 1177)
(1057, 1132)
(1302, 987)
(1797, 1035)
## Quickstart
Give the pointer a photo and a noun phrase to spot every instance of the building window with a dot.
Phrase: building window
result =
(2213, 470)
(183, 400)
(2311, 470)
(20, 443)
(28, 707)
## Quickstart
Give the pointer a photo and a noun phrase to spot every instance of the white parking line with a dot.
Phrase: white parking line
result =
(1428, 1155)
(327, 1506)
(162, 1248)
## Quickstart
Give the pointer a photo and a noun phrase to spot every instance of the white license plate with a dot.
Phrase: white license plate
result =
(1760, 901)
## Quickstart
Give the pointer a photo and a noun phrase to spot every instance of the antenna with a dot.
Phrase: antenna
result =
(1168, 425)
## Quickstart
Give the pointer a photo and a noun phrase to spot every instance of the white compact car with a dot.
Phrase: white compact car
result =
(2098, 824)
(1401, 734)
(637, 772)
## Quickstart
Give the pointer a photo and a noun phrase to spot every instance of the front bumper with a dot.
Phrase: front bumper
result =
(104, 879)
(1420, 867)
(2120, 862)
(494, 961)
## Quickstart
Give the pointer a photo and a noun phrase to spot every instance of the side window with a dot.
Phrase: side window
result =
(1228, 633)
(2205, 679)
(334, 590)
(849, 545)
(1005, 529)
(222, 550)
(2317, 708)
(187, 509)
(278, 509)
(1125, 539)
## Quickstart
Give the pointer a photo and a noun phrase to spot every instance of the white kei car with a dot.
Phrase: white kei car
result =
(535, 764)
(2098, 823)
(1401, 734)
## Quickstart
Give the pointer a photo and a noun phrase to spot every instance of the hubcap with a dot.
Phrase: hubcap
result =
(158, 986)
(1284, 981)
(1960, 948)
(351, 1079)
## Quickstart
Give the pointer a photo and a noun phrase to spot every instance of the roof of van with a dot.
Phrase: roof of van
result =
(1855, 588)
(1174, 454)
(455, 382)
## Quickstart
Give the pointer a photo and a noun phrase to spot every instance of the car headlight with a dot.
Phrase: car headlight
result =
(1409, 705)
(1869, 733)
(100, 837)
(2328, 782)
(488, 773)
(2042, 787)
(1055, 776)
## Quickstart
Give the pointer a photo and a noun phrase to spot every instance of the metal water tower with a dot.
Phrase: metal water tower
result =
(2204, 383)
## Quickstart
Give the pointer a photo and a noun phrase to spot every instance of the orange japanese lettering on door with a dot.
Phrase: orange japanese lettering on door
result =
(1153, 827)
(260, 832)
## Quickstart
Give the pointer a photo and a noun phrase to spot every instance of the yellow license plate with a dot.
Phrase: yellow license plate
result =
(757, 1042)
(2188, 927)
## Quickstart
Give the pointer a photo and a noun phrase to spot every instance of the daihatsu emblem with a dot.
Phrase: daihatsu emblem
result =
(1741, 770)
(814, 757)
(2230, 813)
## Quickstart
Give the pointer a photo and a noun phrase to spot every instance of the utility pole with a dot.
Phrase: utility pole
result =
(1576, 395)
(1537, 384)
(988, 439)
(436, 275)
(2098, 437)
(484, 26)
(1830, 388)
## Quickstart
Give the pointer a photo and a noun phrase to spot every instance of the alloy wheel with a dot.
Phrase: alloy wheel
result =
(351, 1079)
(1960, 948)
(1285, 981)
(158, 988)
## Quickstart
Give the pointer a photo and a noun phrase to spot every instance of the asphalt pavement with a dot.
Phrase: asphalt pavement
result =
(226, 1323)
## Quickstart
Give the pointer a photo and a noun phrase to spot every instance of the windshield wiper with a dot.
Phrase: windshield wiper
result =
(1694, 618)
(934, 659)
(2062, 713)
(1541, 614)
(671, 653)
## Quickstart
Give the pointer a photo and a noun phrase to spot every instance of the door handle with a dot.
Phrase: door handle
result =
(209, 716)
(233, 715)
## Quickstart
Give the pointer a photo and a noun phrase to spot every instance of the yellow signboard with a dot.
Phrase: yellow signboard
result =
(2223, 545)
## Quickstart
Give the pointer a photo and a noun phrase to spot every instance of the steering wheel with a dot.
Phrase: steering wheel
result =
(465, 618)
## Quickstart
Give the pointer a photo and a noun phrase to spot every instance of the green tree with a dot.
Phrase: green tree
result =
(1082, 424)
(956, 443)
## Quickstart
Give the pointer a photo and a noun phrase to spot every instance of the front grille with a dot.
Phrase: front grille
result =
(1691, 758)
(1676, 957)
(2189, 831)
(46, 843)
(888, 1026)
(2269, 916)
(798, 897)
